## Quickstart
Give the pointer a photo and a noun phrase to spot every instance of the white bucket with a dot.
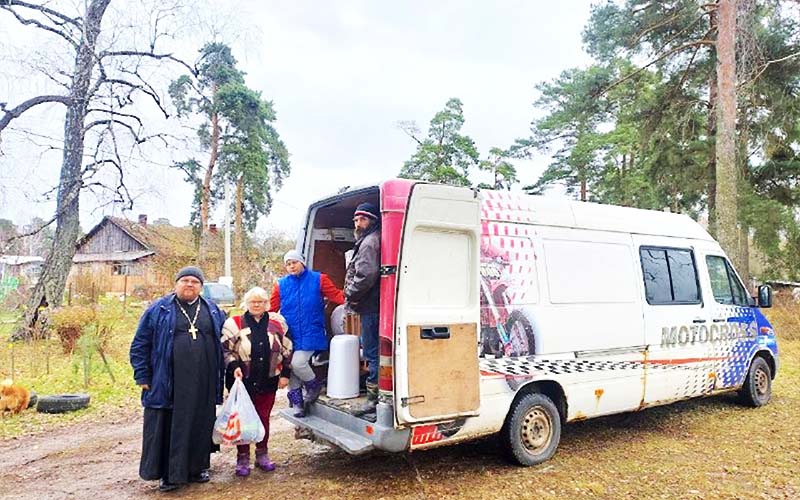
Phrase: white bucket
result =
(343, 367)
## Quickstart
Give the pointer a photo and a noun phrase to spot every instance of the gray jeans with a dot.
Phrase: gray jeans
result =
(301, 369)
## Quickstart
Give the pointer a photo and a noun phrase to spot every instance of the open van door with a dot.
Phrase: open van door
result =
(438, 306)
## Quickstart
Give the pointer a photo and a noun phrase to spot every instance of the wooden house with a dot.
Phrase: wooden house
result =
(126, 257)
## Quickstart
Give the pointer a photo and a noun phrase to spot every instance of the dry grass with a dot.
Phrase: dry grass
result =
(44, 368)
(785, 318)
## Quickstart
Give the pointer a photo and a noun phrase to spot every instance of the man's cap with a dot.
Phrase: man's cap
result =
(190, 271)
(368, 210)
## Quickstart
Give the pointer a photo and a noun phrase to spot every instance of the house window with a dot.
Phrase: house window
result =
(670, 276)
(125, 269)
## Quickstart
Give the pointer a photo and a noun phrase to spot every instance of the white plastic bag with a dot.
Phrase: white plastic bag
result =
(238, 422)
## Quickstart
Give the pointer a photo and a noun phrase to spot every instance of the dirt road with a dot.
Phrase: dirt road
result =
(708, 448)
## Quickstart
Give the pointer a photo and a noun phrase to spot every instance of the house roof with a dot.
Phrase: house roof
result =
(80, 258)
(783, 283)
(18, 260)
(161, 239)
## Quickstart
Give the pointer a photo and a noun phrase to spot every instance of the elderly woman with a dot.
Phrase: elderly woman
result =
(257, 350)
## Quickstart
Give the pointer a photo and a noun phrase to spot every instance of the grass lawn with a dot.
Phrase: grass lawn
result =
(43, 367)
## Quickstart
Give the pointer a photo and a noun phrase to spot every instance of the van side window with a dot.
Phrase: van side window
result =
(725, 285)
(670, 276)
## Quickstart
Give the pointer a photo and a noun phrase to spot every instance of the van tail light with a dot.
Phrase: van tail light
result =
(386, 370)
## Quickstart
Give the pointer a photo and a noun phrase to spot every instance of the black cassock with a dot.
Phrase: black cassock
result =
(177, 443)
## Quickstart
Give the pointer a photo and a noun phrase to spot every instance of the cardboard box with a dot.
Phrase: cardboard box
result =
(352, 324)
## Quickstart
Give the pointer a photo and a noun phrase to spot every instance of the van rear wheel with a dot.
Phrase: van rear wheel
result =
(757, 388)
(532, 430)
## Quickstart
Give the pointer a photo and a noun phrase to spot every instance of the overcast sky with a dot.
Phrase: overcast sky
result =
(341, 75)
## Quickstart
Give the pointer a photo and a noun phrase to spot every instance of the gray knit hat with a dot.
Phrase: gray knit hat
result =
(294, 255)
(190, 271)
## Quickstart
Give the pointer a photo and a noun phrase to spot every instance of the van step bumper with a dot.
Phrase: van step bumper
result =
(352, 434)
(348, 441)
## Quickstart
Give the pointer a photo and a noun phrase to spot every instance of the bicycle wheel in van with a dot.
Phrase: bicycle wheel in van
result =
(520, 332)
(532, 430)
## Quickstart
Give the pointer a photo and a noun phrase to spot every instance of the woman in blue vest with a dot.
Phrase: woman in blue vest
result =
(299, 298)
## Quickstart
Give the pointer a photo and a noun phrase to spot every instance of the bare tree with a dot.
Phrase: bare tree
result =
(101, 94)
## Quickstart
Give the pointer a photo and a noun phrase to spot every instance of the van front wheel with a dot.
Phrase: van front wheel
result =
(757, 388)
(532, 430)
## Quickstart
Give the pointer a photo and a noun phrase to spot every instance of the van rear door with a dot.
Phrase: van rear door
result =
(438, 308)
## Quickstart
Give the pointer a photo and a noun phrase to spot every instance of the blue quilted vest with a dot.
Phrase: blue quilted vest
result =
(304, 310)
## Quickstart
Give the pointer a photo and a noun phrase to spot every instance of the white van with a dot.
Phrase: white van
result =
(513, 314)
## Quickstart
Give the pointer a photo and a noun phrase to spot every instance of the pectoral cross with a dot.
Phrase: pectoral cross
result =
(192, 327)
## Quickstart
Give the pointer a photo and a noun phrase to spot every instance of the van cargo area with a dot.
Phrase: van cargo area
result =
(330, 238)
(327, 239)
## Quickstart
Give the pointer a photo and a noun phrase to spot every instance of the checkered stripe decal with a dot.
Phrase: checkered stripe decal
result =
(528, 366)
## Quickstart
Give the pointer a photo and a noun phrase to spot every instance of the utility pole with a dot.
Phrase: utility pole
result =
(228, 276)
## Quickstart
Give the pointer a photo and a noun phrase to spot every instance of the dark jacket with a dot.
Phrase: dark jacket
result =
(151, 351)
(362, 283)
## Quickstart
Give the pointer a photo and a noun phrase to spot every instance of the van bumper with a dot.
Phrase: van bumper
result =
(352, 434)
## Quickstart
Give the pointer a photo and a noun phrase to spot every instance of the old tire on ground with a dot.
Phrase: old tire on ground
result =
(33, 399)
(62, 403)
(532, 430)
(757, 388)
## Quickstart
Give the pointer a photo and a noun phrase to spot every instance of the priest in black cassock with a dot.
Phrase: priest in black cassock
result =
(177, 361)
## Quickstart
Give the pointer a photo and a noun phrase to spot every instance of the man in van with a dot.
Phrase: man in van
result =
(362, 290)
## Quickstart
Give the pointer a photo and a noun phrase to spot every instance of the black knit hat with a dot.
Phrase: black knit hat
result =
(368, 210)
(190, 271)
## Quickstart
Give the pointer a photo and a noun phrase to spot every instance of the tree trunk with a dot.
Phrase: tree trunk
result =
(712, 133)
(624, 199)
(205, 197)
(238, 225)
(744, 180)
(726, 169)
(50, 287)
(582, 179)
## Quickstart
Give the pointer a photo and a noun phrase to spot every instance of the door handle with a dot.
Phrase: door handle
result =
(434, 333)
(698, 320)
(720, 320)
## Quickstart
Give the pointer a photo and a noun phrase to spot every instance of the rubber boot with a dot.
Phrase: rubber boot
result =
(295, 397)
(243, 464)
(263, 462)
(372, 401)
(313, 388)
(372, 392)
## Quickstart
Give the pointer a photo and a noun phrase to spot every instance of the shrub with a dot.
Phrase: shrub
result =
(69, 323)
